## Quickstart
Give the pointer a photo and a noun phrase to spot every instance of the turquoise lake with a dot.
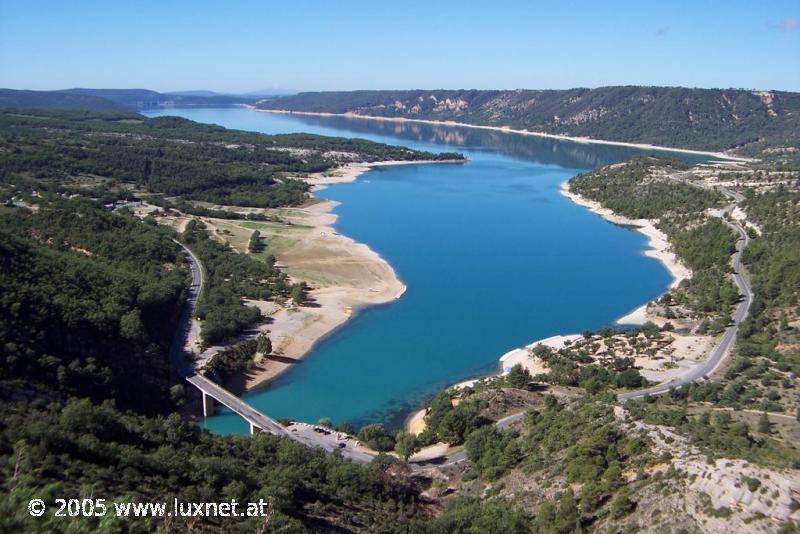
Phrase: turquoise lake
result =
(493, 255)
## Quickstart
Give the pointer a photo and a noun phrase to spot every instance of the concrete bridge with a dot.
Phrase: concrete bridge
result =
(309, 435)
(212, 391)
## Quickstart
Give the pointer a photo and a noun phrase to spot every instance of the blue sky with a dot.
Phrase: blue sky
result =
(331, 45)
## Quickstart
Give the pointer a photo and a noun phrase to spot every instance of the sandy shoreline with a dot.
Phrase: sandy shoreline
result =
(415, 423)
(350, 171)
(345, 276)
(584, 140)
(660, 248)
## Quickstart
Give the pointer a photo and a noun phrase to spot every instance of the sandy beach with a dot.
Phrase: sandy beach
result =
(660, 248)
(350, 171)
(344, 275)
(507, 129)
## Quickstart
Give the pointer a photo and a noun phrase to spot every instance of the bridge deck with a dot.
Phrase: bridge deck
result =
(225, 397)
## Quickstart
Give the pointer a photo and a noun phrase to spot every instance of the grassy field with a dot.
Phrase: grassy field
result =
(277, 237)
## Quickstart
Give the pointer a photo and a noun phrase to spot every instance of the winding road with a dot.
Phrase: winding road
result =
(722, 351)
(177, 356)
(718, 355)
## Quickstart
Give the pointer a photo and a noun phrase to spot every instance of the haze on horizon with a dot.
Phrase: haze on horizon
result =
(248, 46)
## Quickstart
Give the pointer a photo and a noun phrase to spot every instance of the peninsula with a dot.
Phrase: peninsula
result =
(340, 274)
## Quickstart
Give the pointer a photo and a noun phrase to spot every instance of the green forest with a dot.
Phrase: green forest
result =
(229, 277)
(89, 299)
(172, 156)
(111, 99)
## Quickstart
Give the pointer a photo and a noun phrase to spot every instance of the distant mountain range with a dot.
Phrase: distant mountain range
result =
(121, 99)
(141, 99)
(263, 93)
(705, 119)
(12, 98)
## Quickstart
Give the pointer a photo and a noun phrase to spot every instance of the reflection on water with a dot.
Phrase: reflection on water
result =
(542, 150)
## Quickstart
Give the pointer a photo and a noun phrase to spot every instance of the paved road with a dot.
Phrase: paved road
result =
(179, 360)
(309, 435)
(177, 356)
(460, 455)
(721, 352)
(330, 441)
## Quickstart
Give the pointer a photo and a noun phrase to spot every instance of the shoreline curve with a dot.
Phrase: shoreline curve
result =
(296, 334)
(658, 248)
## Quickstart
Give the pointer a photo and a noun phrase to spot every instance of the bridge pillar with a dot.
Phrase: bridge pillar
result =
(208, 405)
(254, 429)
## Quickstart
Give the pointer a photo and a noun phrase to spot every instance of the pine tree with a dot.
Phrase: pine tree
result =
(763, 424)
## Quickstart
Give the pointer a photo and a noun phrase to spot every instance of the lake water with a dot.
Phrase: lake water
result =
(493, 255)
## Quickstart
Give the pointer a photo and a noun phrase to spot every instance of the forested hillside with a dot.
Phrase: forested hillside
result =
(139, 99)
(87, 301)
(705, 119)
(176, 157)
(638, 189)
(766, 360)
(12, 98)
(113, 99)
(170, 162)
